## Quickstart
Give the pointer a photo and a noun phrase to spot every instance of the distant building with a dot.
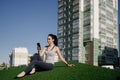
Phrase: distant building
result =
(29, 58)
(109, 56)
(19, 56)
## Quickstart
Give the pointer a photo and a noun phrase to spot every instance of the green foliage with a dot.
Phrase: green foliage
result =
(62, 72)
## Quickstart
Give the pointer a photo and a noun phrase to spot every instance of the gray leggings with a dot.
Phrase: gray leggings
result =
(38, 64)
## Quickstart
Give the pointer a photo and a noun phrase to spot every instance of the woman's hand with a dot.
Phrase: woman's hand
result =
(70, 65)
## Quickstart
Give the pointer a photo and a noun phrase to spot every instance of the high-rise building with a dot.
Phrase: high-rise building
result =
(19, 56)
(119, 39)
(85, 27)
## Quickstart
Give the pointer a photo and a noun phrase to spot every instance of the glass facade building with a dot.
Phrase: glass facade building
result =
(85, 27)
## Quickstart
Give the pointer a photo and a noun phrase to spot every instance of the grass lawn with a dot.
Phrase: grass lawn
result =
(61, 72)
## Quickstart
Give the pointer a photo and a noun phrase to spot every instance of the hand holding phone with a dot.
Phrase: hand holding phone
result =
(38, 47)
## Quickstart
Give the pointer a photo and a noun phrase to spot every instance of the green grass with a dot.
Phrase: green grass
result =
(61, 72)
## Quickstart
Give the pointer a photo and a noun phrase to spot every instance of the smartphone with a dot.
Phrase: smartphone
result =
(38, 44)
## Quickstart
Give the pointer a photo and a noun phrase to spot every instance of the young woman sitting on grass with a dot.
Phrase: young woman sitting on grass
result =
(50, 51)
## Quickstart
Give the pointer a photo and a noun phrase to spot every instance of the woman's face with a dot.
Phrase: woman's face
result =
(50, 40)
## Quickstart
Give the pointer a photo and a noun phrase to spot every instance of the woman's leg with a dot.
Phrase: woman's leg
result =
(32, 71)
(30, 67)
(36, 57)
(20, 74)
(27, 70)
(42, 66)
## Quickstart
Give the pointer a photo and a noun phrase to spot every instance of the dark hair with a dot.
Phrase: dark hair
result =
(38, 44)
(55, 39)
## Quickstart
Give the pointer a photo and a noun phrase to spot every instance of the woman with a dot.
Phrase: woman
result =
(50, 51)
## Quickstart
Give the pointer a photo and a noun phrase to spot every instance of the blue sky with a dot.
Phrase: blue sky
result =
(23, 23)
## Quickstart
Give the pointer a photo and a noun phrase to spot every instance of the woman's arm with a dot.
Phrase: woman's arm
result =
(61, 57)
(43, 52)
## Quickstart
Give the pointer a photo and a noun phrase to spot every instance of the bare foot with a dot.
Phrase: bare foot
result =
(32, 71)
(22, 74)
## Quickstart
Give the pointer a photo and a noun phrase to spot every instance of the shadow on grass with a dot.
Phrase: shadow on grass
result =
(118, 78)
(59, 66)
